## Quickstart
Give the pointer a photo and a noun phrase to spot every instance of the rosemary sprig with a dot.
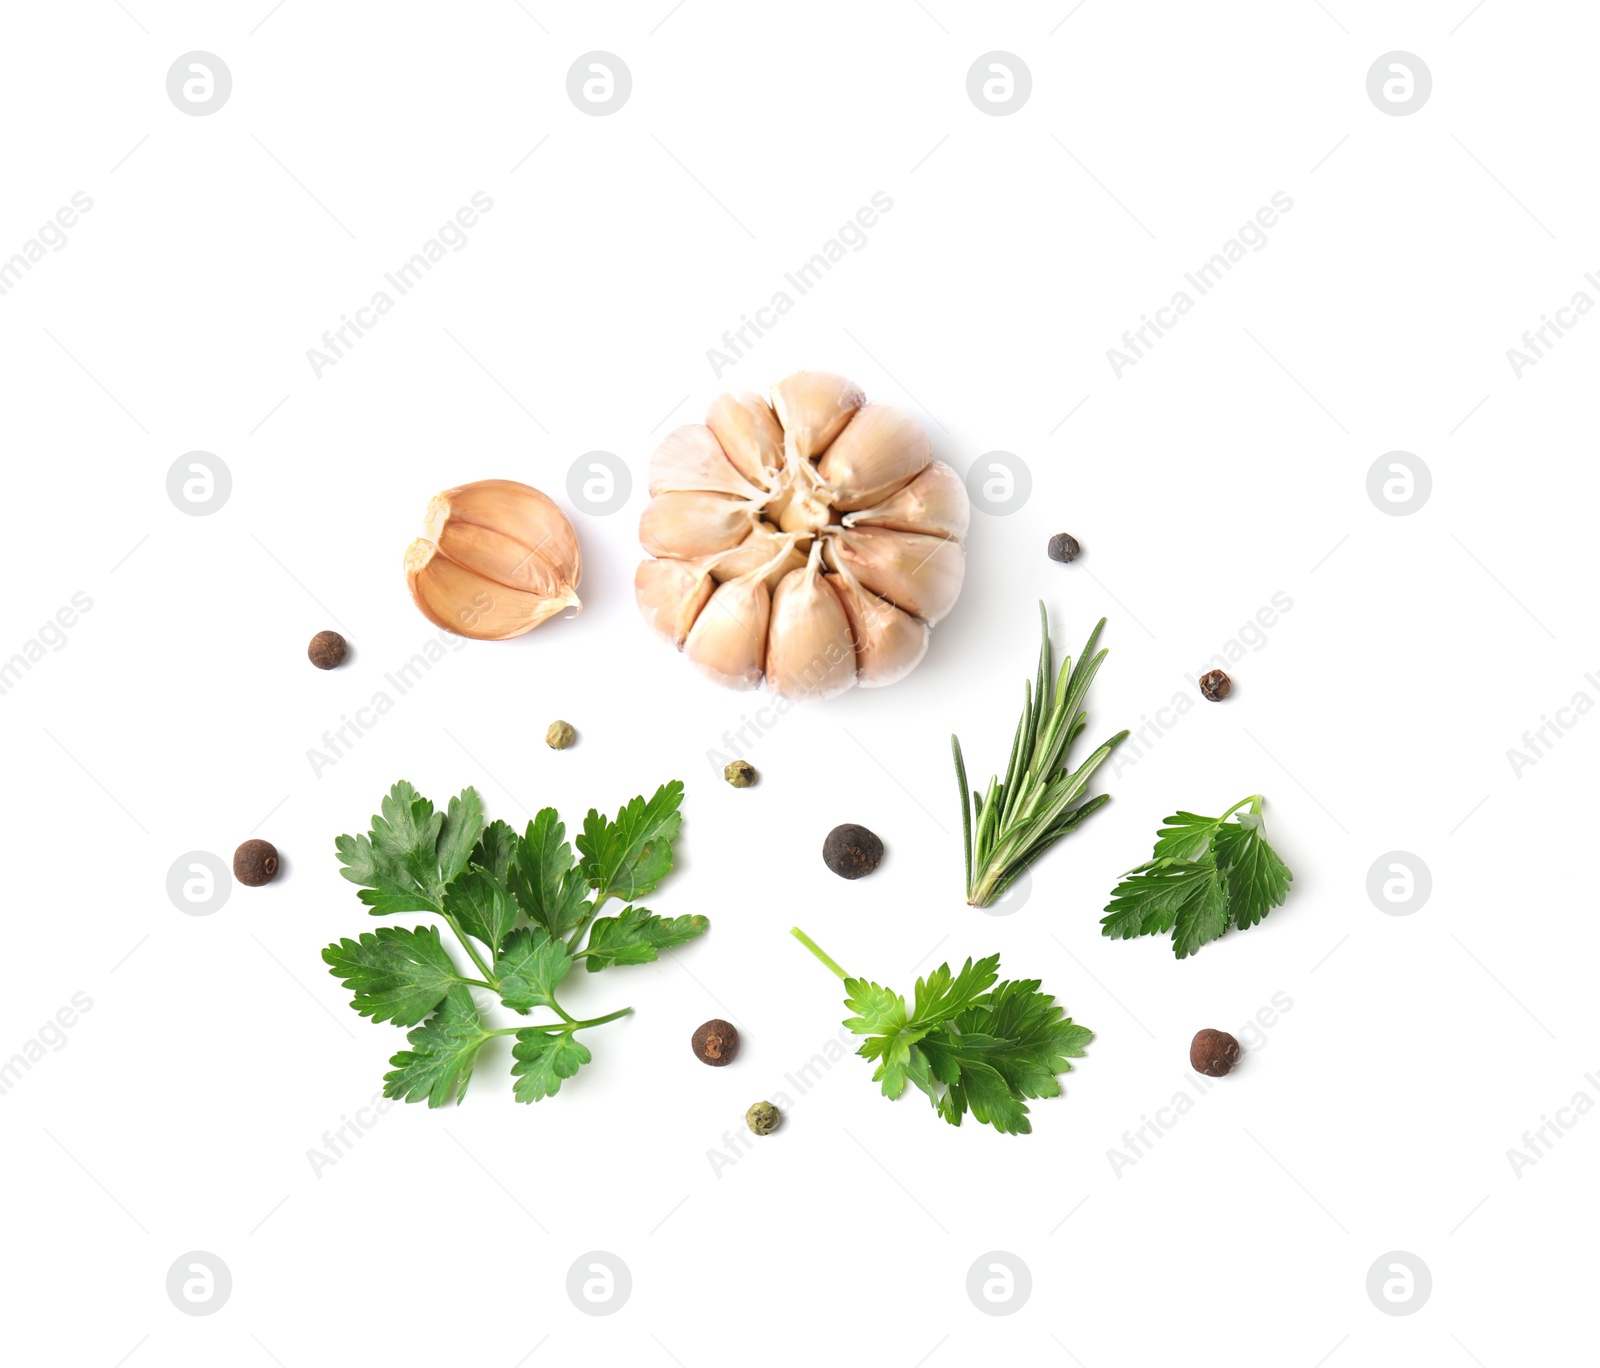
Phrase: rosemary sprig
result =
(1011, 825)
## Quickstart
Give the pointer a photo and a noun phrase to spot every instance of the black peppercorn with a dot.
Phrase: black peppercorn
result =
(851, 851)
(255, 863)
(1213, 1053)
(327, 650)
(1064, 547)
(1216, 685)
(715, 1042)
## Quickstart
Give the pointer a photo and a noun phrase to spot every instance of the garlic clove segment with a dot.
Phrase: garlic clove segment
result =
(749, 434)
(690, 458)
(881, 450)
(729, 639)
(498, 559)
(935, 502)
(518, 510)
(671, 594)
(809, 650)
(462, 601)
(687, 524)
(919, 574)
(889, 644)
(814, 407)
(764, 547)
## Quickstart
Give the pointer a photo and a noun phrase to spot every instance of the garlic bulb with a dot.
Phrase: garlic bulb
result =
(808, 542)
(498, 558)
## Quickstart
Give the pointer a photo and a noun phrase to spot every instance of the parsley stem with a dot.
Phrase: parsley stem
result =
(817, 950)
(472, 954)
(576, 938)
(1255, 806)
(566, 1027)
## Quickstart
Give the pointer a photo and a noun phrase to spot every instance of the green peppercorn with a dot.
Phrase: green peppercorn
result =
(739, 773)
(763, 1118)
(560, 735)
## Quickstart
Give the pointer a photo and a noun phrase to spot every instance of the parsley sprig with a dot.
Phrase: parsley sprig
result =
(524, 908)
(1007, 828)
(969, 1042)
(1206, 874)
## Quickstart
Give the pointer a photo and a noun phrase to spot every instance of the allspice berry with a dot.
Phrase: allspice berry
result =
(715, 1042)
(739, 773)
(559, 735)
(851, 851)
(1064, 547)
(1213, 1053)
(255, 863)
(1216, 685)
(763, 1118)
(327, 650)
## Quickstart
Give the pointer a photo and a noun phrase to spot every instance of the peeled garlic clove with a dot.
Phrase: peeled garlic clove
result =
(499, 558)
(671, 594)
(935, 502)
(728, 640)
(809, 651)
(461, 600)
(690, 458)
(920, 575)
(749, 434)
(757, 550)
(686, 524)
(889, 644)
(814, 407)
(881, 450)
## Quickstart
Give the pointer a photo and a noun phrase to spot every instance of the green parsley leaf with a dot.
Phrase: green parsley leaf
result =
(441, 1056)
(1257, 879)
(544, 1060)
(397, 973)
(496, 849)
(1208, 874)
(550, 887)
(530, 968)
(1037, 1037)
(1184, 836)
(412, 852)
(636, 934)
(1150, 899)
(628, 857)
(482, 906)
(940, 997)
(970, 1043)
(984, 1089)
(458, 834)
(1202, 917)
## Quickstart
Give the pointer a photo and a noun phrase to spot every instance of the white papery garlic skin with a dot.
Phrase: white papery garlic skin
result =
(808, 540)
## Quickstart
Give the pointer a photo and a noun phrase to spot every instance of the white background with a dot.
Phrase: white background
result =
(1226, 466)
